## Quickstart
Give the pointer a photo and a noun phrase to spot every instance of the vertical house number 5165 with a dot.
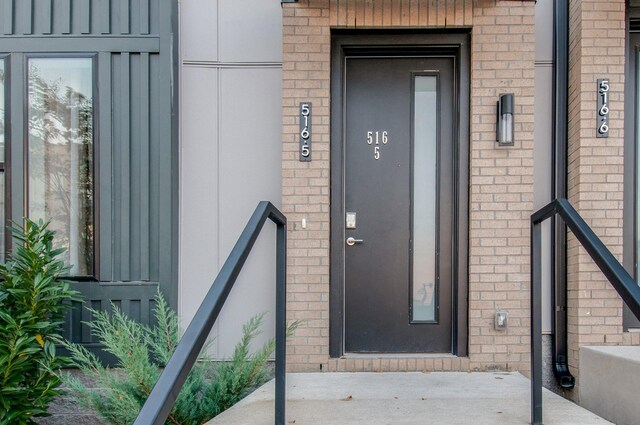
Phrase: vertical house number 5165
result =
(305, 132)
(375, 138)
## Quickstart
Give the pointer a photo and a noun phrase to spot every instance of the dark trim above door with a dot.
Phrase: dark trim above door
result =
(402, 43)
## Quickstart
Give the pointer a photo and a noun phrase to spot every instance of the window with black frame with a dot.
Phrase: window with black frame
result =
(60, 176)
(2, 157)
(637, 158)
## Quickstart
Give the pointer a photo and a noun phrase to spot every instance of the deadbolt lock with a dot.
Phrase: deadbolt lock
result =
(350, 220)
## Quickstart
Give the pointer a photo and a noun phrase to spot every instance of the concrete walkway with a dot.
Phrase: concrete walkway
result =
(437, 398)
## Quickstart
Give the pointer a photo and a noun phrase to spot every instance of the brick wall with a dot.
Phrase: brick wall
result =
(501, 186)
(305, 185)
(400, 13)
(597, 40)
(501, 189)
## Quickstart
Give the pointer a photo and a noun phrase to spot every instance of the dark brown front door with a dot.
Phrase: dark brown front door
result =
(399, 173)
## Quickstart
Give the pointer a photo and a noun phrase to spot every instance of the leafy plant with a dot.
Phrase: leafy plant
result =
(209, 389)
(32, 307)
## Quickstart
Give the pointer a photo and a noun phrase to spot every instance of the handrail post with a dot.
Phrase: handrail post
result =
(281, 322)
(536, 323)
(620, 279)
(158, 405)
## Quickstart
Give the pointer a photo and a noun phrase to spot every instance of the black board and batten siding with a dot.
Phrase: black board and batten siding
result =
(135, 147)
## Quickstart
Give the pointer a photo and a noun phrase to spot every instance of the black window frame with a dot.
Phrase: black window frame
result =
(5, 167)
(95, 276)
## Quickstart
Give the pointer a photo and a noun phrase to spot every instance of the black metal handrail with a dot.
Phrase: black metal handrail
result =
(160, 402)
(622, 282)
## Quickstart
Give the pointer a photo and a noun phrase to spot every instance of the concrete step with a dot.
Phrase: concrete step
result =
(609, 379)
(437, 398)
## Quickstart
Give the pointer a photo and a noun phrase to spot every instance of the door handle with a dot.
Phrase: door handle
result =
(352, 241)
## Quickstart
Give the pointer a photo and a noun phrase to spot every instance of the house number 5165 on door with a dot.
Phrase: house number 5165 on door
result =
(376, 138)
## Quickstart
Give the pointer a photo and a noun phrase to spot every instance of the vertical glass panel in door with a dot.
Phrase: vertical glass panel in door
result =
(60, 157)
(424, 202)
(2, 159)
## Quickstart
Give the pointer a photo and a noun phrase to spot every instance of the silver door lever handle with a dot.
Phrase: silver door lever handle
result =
(352, 241)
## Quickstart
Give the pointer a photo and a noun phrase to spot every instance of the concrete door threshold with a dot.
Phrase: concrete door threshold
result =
(438, 398)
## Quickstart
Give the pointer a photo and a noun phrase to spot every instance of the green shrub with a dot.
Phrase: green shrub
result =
(32, 307)
(209, 389)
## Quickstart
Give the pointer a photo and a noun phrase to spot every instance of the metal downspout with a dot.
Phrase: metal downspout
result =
(559, 228)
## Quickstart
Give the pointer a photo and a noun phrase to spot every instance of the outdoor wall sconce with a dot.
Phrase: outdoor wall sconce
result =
(504, 128)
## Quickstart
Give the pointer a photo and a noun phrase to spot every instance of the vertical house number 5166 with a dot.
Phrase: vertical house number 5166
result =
(375, 138)
(603, 109)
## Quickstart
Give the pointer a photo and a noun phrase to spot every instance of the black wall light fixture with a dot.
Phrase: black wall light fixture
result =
(504, 127)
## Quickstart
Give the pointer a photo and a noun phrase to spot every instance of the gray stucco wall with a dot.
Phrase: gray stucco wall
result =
(543, 169)
(230, 153)
(543, 131)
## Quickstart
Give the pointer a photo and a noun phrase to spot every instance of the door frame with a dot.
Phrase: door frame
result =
(631, 230)
(396, 43)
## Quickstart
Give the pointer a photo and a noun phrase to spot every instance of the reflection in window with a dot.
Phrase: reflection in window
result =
(61, 154)
(637, 169)
(424, 198)
(2, 168)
